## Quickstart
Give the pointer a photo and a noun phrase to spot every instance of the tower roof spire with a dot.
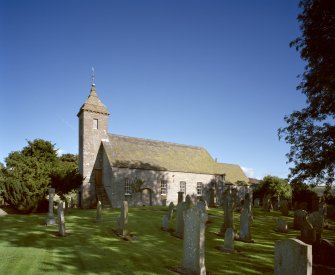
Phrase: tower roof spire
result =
(93, 77)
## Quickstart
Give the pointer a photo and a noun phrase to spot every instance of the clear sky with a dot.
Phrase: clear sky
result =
(216, 74)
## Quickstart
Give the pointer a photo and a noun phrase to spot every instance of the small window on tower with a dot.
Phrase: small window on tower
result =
(95, 123)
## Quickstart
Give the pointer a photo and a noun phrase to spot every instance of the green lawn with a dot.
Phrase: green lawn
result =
(29, 247)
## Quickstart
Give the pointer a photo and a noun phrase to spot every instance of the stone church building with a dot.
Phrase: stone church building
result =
(143, 171)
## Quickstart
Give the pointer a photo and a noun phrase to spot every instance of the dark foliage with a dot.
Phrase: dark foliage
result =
(28, 173)
(311, 131)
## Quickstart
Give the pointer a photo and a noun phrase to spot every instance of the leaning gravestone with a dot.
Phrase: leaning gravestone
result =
(316, 219)
(228, 202)
(167, 217)
(51, 218)
(194, 240)
(299, 218)
(98, 217)
(293, 257)
(307, 231)
(61, 219)
(181, 208)
(122, 221)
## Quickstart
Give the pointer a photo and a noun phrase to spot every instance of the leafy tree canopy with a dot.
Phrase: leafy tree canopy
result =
(28, 173)
(274, 186)
(311, 131)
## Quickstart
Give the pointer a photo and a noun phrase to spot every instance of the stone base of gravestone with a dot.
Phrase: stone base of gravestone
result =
(292, 256)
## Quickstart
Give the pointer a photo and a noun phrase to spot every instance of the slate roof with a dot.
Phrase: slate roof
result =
(130, 152)
(93, 103)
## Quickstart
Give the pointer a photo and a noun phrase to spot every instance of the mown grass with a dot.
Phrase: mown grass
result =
(27, 246)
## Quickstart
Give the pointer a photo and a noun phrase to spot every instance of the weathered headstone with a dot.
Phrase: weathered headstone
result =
(194, 240)
(298, 218)
(284, 209)
(181, 208)
(317, 221)
(245, 232)
(228, 204)
(167, 217)
(211, 192)
(256, 202)
(98, 217)
(324, 253)
(293, 257)
(122, 221)
(282, 226)
(51, 218)
(228, 244)
(61, 219)
(307, 231)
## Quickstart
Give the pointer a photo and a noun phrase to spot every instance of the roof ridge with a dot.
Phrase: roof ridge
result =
(159, 141)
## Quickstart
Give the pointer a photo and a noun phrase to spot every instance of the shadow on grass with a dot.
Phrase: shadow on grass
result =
(91, 247)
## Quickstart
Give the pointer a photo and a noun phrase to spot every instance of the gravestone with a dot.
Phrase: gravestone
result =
(284, 209)
(317, 221)
(282, 226)
(194, 240)
(98, 217)
(180, 196)
(61, 219)
(228, 204)
(307, 231)
(298, 218)
(293, 257)
(245, 222)
(167, 217)
(51, 218)
(122, 221)
(211, 197)
(228, 244)
(256, 202)
(181, 208)
(324, 253)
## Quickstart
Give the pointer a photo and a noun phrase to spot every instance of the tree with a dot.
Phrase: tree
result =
(26, 176)
(65, 176)
(311, 131)
(28, 173)
(275, 187)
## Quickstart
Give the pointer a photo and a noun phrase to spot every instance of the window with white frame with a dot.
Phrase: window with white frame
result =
(127, 186)
(163, 187)
(183, 186)
(199, 188)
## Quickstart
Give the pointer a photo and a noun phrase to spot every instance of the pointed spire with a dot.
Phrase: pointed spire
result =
(93, 77)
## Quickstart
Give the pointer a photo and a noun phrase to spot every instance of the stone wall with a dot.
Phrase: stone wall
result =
(152, 180)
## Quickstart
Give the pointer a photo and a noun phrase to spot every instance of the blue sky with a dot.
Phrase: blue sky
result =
(216, 74)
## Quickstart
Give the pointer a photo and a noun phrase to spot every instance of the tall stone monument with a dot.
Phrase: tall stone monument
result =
(194, 240)
(228, 204)
(51, 218)
(181, 208)
(61, 219)
(122, 221)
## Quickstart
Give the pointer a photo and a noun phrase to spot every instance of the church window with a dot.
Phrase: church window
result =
(183, 186)
(95, 123)
(127, 186)
(163, 187)
(199, 188)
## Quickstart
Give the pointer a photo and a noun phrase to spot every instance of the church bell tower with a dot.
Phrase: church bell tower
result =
(93, 128)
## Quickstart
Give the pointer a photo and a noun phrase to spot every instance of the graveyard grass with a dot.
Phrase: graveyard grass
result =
(27, 246)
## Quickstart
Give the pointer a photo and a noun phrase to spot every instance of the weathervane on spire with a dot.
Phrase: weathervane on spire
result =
(93, 84)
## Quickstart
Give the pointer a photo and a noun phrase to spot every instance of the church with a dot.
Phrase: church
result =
(143, 171)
